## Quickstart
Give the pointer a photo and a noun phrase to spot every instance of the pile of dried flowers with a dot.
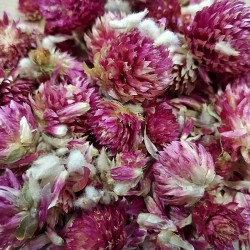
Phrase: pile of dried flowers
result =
(125, 125)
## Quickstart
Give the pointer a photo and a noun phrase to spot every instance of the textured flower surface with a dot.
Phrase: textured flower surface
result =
(162, 125)
(233, 108)
(60, 107)
(102, 228)
(30, 9)
(219, 37)
(14, 44)
(220, 224)
(101, 33)
(115, 126)
(132, 68)
(63, 16)
(182, 173)
(18, 132)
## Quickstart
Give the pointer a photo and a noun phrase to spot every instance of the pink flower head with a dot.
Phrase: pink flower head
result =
(30, 9)
(101, 33)
(132, 68)
(64, 16)
(102, 228)
(62, 107)
(182, 173)
(115, 126)
(14, 89)
(162, 125)
(219, 37)
(14, 43)
(18, 132)
(220, 224)
(233, 107)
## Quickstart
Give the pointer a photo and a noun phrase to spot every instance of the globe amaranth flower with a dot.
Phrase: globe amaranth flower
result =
(220, 224)
(116, 126)
(233, 108)
(64, 16)
(18, 220)
(182, 173)
(14, 89)
(161, 124)
(219, 37)
(61, 107)
(131, 68)
(30, 9)
(102, 228)
(14, 44)
(18, 132)
(101, 33)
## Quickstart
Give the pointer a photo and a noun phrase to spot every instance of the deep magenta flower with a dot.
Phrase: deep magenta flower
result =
(64, 16)
(101, 33)
(61, 107)
(18, 132)
(220, 224)
(102, 228)
(30, 9)
(219, 37)
(115, 126)
(182, 173)
(131, 68)
(161, 124)
(14, 44)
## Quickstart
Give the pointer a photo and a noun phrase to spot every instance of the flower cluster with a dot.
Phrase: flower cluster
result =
(124, 124)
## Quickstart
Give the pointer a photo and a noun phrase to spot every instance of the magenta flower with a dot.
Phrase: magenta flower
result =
(64, 16)
(162, 125)
(63, 107)
(132, 68)
(101, 33)
(102, 228)
(233, 108)
(182, 173)
(18, 132)
(219, 37)
(14, 43)
(220, 224)
(30, 9)
(115, 126)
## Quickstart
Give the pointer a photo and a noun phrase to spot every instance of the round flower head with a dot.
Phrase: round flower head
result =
(30, 9)
(115, 126)
(101, 33)
(162, 125)
(132, 68)
(14, 89)
(219, 37)
(61, 107)
(182, 173)
(220, 224)
(64, 16)
(102, 228)
(14, 44)
(233, 107)
(18, 132)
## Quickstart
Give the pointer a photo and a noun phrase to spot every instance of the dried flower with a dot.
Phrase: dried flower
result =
(64, 16)
(61, 107)
(14, 44)
(101, 33)
(18, 132)
(30, 9)
(115, 126)
(161, 124)
(219, 37)
(220, 224)
(132, 68)
(102, 228)
(182, 173)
